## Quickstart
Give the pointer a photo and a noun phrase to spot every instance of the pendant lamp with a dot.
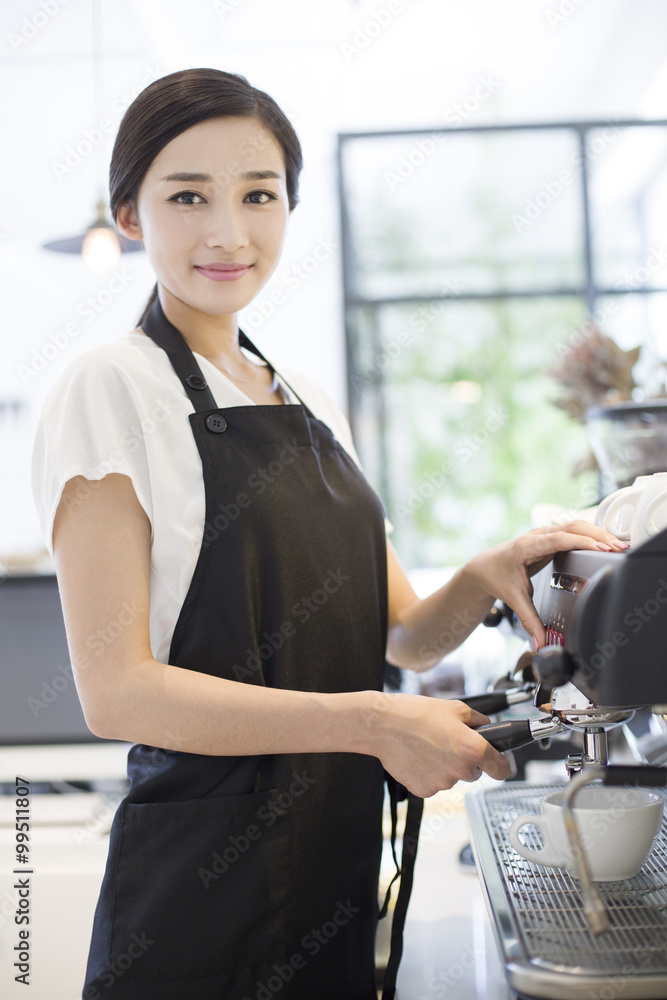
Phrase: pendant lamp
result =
(100, 245)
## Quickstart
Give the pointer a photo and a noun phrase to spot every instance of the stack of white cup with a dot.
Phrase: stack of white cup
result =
(636, 513)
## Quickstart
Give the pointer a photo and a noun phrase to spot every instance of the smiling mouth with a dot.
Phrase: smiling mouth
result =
(223, 272)
(217, 266)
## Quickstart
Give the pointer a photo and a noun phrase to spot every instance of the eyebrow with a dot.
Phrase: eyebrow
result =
(251, 175)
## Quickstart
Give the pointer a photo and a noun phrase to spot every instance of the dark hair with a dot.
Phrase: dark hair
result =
(174, 103)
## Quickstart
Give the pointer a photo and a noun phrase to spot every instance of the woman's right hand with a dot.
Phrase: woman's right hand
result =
(428, 744)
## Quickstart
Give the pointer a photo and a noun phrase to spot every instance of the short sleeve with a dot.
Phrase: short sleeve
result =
(90, 426)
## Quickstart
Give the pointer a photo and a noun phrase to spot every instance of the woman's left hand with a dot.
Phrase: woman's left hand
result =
(504, 571)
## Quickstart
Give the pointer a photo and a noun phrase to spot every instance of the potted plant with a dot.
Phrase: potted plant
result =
(628, 436)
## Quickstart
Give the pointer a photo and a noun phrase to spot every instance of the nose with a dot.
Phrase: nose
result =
(227, 230)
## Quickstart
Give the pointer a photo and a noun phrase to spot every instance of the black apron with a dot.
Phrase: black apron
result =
(249, 878)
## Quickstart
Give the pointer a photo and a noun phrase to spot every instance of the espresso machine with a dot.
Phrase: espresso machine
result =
(604, 668)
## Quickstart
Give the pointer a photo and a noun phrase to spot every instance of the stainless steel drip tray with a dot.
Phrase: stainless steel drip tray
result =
(545, 943)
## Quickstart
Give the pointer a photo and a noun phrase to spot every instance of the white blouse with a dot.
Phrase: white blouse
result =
(122, 408)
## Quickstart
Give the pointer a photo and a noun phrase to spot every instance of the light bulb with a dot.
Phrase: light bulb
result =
(101, 248)
(465, 392)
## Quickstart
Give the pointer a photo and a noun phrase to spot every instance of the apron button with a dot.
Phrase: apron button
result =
(216, 423)
(196, 382)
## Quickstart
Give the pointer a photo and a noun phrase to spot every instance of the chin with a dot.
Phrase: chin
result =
(213, 302)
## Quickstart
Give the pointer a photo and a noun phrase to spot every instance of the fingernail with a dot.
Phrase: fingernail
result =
(620, 544)
(603, 547)
(536, 644)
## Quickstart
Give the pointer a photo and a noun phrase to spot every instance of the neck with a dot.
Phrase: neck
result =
(214, 337)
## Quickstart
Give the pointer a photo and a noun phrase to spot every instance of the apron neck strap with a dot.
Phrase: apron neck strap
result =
(170, 339)
(245, 341)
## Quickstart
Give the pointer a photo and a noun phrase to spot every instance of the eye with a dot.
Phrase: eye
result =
(185, 194)
(266, 197)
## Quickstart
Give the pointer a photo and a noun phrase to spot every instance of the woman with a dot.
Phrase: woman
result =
(230, 595)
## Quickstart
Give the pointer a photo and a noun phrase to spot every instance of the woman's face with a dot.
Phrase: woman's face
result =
(232, 210)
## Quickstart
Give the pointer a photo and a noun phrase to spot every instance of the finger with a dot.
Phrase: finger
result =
(532, 623)
(535, 567)
(597, 534)
(575, 535)
(524, 609)
(537, 551)
(492, 761)
(470, 716)
(474, 775)
(495, 765)
(582, 527)
(586, 529)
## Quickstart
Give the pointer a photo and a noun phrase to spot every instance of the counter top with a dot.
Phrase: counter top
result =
(449, 946)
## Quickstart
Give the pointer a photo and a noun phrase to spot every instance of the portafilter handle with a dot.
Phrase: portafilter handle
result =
(496, 701)
(520, 732)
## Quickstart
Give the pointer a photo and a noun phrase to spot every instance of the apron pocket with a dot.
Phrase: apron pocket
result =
(201, 886)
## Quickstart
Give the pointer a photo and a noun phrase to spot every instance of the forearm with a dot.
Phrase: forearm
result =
(426, 743)
(167, 706)
(430, 628)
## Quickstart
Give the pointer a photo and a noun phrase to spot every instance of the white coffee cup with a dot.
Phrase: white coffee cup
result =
(617, 828)
(617, 512)
(651, 513)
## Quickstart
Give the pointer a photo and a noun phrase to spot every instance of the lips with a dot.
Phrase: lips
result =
(217, 266)
(222, 272)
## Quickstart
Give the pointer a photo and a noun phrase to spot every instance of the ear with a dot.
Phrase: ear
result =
(127, 221)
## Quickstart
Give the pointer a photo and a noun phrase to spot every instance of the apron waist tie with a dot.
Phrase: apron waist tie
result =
(397, 793)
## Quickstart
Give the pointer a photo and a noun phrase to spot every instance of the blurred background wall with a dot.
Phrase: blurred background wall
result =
(457, 396)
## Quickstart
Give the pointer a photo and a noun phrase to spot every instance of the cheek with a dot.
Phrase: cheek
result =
(166, 238)
(273, 234)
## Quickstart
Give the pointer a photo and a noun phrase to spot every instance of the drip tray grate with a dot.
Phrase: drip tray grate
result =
(539, 917)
